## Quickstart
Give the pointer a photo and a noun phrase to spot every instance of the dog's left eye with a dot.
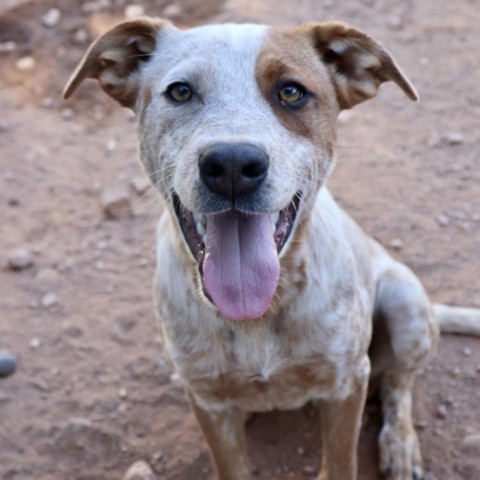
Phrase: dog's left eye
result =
(179, 92)
(291, 94)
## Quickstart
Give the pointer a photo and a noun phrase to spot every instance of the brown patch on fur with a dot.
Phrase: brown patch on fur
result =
(288, 55)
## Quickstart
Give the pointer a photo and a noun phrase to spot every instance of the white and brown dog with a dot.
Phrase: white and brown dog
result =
(267, 291)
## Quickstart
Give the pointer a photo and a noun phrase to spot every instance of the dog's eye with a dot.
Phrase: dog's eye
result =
(179, 92)
(291, 94)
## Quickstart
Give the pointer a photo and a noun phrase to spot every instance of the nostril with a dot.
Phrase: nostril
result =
(253, 170)
(213, 169)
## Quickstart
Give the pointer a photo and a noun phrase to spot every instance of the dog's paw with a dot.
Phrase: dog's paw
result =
(400, 457)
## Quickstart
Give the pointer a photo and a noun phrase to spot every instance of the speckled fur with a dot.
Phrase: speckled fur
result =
(336, 284)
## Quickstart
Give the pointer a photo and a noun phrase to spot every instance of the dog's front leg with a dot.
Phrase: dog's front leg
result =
(340, 423)
(224, 431)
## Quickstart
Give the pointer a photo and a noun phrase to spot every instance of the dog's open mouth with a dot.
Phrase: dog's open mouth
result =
(237, 255)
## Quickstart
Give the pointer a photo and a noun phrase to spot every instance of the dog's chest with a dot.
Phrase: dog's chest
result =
(264, 370)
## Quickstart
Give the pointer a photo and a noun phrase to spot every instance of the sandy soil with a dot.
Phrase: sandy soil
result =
(93, 391)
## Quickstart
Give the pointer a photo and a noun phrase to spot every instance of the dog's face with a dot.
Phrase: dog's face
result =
(237, 130)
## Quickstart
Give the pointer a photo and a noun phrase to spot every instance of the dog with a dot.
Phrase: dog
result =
(269, 294)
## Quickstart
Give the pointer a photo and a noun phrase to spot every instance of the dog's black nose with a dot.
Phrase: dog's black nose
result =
(233, 169)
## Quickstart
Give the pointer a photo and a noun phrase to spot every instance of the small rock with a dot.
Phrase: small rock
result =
(116, 203)
(35, 342)
(441, 412)
(471, 444)
(8, 363)
(49, 300)
(171, 11)
(301, 451)
(134, 11)
(20, 259)
(395, 22)
(454, 138)
(467, 352)
(443, 220)
(8, 46)
(25, 63)
(52, 17)
(421, 424)
(122, 393)
(139, 471)
(47, 277)
(111, 145)
(308, 469)
(66, 113)
(396, 243)
(141, 185)
(456, 371)
(80, 36)
(40, 385)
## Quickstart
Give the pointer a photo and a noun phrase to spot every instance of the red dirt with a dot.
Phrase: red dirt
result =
(97, 393)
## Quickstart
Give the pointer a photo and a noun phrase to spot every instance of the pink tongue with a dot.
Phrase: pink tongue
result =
(241, 267)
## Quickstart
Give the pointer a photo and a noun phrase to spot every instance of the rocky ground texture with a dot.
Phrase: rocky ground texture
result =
(85, 389)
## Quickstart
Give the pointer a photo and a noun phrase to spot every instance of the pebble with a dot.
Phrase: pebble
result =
(49, 300)
(122, 393)
(80, 36)
(47, 277)
(52, 17)
(454, 138)
(116, 203)
(133, 11)
(467, 352)
(301, 451)
(8, 363)
(441, 412)
(20, 259)
(308, 469)
(471, 443)
(443, 220)
(396, 243)
(8, 46)
(35, 342)
(140, 470)
(395, 22)
(111, 145)
(66, 113)
(171, 11)
(141, 185)
(25, 63)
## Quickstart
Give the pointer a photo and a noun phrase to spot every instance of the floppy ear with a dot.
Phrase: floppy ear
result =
(114, 59)
(357, 63)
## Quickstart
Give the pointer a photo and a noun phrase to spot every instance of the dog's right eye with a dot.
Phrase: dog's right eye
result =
(179, 92)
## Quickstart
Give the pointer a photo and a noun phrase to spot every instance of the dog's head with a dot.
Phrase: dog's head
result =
(237, 127)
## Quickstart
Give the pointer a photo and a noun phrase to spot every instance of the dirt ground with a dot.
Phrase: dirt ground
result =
(93, 391)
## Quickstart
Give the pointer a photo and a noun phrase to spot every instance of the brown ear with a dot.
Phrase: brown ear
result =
(114, 59)
(357, 63)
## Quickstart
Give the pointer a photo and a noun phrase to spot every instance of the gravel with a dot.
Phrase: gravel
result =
(8, 363)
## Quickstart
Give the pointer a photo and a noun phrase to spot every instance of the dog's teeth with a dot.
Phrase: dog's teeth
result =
(274, 218)
(201, 229)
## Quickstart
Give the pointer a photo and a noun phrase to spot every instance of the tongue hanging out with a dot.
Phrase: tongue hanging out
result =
(241, 266)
